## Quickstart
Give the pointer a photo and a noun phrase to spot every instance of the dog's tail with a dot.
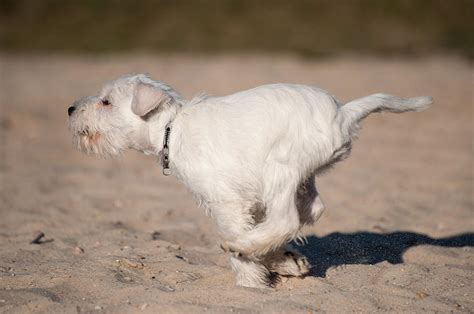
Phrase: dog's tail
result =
(355, 111)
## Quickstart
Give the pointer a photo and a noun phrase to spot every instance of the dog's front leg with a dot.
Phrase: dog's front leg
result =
(281, 223)
(234, 220)
(251, 273)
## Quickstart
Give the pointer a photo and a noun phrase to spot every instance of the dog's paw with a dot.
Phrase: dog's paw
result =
(294, 265)
(289, 263)
(224, 247)
(236, 248)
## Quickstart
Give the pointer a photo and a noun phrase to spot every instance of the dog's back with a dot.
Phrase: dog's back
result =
(290, 124)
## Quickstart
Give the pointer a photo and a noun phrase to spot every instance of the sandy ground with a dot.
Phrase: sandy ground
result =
(397, 235)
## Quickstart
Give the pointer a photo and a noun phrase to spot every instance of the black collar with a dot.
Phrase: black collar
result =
(165, 153)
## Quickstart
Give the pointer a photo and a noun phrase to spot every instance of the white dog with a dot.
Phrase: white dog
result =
(250, 158)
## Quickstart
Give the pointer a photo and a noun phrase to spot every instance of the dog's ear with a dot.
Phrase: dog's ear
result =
(146, 98)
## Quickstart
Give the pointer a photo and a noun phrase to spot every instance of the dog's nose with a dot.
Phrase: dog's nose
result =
(70, 110)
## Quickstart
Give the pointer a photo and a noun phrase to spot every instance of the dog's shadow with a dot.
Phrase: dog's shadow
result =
(369, 248)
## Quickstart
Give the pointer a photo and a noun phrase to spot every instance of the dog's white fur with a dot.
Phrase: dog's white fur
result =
(250, 158)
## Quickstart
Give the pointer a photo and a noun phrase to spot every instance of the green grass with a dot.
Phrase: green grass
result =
(310, 28)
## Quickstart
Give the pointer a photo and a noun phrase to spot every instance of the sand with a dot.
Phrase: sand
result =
(120, 237)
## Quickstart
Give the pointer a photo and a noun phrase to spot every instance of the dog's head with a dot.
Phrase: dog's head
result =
(116, 118)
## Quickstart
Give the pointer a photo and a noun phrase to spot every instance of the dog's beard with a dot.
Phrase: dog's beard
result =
(99, 143)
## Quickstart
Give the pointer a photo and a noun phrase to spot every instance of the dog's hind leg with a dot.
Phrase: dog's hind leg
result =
(308, 202)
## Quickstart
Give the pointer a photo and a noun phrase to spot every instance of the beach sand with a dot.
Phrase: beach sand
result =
(120, 237)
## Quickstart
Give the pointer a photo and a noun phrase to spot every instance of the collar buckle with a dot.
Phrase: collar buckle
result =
(165, 153)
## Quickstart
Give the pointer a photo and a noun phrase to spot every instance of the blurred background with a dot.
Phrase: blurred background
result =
(121, 237)
(309, 28)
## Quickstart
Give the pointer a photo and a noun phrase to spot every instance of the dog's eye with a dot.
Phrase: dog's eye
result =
(105, 102)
